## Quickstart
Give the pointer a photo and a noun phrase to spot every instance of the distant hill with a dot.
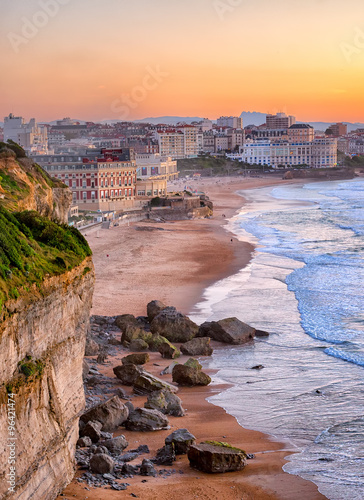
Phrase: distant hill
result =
(170, 120)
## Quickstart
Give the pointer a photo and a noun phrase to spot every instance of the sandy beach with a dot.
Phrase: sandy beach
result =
(175, 265)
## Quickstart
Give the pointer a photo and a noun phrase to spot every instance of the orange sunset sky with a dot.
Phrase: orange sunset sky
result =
(130, 59)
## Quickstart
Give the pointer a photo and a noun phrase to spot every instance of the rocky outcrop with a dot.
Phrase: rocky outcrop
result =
(42, 343)
(214, 457)
(228, 330)
(173, 325)
(197, 347)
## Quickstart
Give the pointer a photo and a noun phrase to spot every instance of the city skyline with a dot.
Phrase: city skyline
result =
(127, 61)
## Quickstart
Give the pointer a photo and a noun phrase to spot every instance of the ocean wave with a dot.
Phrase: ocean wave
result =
(357, 359)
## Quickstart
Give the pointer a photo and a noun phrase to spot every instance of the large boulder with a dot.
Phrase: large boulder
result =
(101, 464)
(197, 347)
(139, 358)
(190, 374)
(168, 350)
(165, 455)
(84, 442)
(131, 328)
(229, 330)
(115, 445)
(111, 414)
(166, 402)
(147, 468)
(92, 348)
(92, 430)
(182, 439)
(214, 457)
(155, 342)
(147, 383)
(138, 345)
(173, 325)
(144, 420)
(154, 308)
(128, 374)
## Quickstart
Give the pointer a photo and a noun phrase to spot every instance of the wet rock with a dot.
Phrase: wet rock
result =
(92, 430)
(257, 367)
(147, 383)
(101, 464)
(165, 455)
(128, 374)
(229, 331)
(182, 439)
(261, 333)
(116, 445)
(155, 342)
(199, 346)
(154, 308)
(92, 348)
(168, 369)
(214, 457)
(166, 402)
(112, 413)
(168, 350)
(143, 419)
(173, 325)
(190, 374)
(147, 468)
(84, 442)
(136, 359)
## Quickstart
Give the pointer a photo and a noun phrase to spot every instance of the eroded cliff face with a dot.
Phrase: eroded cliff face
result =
(47, 330)
(25, 186)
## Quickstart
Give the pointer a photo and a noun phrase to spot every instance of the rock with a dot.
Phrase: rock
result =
(229, 330)
(125, 320)
(116, 445)
(166, 402)
(84, 442)
(85, 369)
(168, 350)
(101, 450)
(138, 345)
(146, 420)
(165, 455)
(257, 367)
(128, 457)
(154, 308)
(197, 347)
(142, 448)
(193, 363)
(147, 468)
(136, 359)
(261, 333)
(111, 414)
(92, 348)
(188, 375)
(92, 430)
(214, 457)
(101, 464)
(129, 470)
(173, 325)
(128, 374)
(113, 341)
(155, 342)
(168, 369)
(130, 328)
(288, 175)
(147, 383)
(130, 406)
(182, 439)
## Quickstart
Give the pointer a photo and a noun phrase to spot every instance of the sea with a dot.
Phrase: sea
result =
(305, 286)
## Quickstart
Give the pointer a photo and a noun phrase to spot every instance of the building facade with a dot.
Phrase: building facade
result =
(149, 165)
(33, 138)
(280, 121)
(230, 121)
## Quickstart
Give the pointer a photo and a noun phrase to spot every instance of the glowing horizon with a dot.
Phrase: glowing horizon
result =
(94, 60)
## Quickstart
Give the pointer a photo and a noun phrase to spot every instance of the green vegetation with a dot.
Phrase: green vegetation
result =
(13, 146)
(29, 369)
(354, 162)
(155, 202)
(31, 247)
(207, 165)
(225, 445)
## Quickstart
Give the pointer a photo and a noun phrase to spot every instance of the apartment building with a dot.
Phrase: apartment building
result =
(280, 121)
(301, 132)
(181, 142)
(149, 165)
(338, 129)
(101, 180)
(33, 138)
(230, 122)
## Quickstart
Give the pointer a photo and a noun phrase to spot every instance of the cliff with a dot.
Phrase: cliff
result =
(46, 286)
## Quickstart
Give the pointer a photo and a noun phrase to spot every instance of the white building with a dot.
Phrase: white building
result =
(149, 165)
(30, 136)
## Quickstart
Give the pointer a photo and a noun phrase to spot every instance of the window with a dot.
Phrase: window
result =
(84, 196)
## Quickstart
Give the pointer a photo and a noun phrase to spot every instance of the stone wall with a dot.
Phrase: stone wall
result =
(50, 326)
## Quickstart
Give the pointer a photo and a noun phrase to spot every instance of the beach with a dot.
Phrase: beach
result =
(175, 262)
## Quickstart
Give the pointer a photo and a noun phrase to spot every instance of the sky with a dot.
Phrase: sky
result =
(130, 59)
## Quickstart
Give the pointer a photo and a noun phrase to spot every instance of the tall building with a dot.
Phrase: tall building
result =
(301, 132)
(171, 143)
(30, 136)
(280, 121)
(338, 129)
(230, 121)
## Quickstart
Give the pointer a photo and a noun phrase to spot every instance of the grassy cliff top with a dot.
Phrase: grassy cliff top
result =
(32, 246)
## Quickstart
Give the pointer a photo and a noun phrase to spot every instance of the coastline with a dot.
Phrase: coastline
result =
(209, 253)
